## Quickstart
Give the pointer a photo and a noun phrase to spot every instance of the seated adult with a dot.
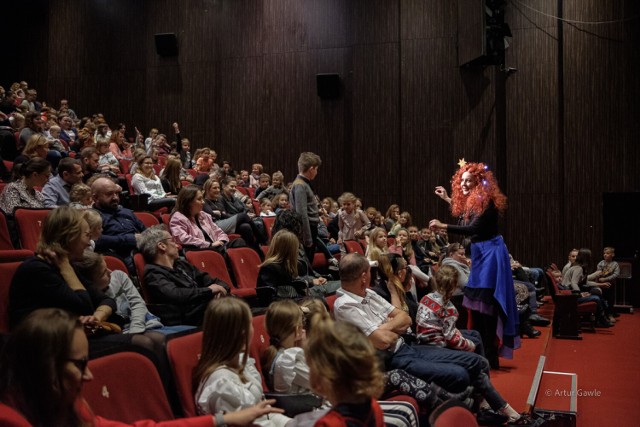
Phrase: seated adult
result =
(49, 280)
(173, 281)
(38, 145)
(145, 181)
(384, 325)
(576, 279)
(120, 226)
(56, 191)
(282, 270)
(22, 193)
(191, 227)
(394, 284)
(90, 163)
(230, 222)
(33, 125)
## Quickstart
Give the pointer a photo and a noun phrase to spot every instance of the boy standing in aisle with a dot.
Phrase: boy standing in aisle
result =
(304, 201)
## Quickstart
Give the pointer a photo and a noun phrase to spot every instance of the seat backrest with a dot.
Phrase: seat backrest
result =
(166, 218)
(259, 343)
(184, 354)
(30, 223)
(625, 270)
(268, 224)
(15, 255)
(5, 237)
(139, 263)
(115, 263)
(245, 265)
(331, 300)
(7, 270)
(256, 207)
(126, 387)
(148, 219)
(210, 262)
(353, 246)
(128, 177)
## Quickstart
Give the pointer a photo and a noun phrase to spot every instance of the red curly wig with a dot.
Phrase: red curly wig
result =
(478, 199)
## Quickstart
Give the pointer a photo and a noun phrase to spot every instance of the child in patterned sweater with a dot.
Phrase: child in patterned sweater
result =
(437, 316)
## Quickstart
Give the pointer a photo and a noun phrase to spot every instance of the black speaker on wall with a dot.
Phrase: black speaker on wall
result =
(328, 85)
(166, 44)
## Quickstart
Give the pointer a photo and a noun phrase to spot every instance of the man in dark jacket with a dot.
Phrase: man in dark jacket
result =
(174, 281)
(120, 226)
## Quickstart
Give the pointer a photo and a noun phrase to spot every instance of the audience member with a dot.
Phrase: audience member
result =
(120, 226)
(226, 378)
(284, 272)
(173, 281)
(56, 191)
(44, 365)
(145, 181)
(193, 228)
(23, 193)
(384, 325)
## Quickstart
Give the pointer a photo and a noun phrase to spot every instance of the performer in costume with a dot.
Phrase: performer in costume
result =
(477, 201)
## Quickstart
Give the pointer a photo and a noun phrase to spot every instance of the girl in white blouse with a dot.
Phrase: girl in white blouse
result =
(227, 378)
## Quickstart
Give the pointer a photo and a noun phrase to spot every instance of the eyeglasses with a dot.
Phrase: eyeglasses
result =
(81, 364)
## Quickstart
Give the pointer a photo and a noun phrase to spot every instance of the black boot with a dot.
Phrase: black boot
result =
(528, 330)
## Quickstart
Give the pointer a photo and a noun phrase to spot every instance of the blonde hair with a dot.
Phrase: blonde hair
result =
(78, 192)
(61, 226)
(390, 267)
(374, 252)
(37, 140)
(347, 197)
(93, 218)
(342, 357)
(447, 281)
(283, 250)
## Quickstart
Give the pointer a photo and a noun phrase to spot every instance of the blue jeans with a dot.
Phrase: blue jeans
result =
(452, 370)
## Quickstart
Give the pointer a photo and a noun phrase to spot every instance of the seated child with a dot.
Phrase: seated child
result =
(263, 185)
(256, 173)
(276, 187)
(437, 316)
(266, 208)
(281, 202)
(80, 196)
(226, 378)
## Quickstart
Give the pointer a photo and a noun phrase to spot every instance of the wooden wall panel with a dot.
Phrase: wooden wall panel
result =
(601, 128)
(328, 23)
(244, 83)
(375, 21)
(377, 152)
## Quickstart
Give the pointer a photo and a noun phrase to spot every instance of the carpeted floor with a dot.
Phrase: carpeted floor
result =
(607, 363)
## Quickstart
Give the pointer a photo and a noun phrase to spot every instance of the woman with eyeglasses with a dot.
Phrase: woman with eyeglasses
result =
(44, 365)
